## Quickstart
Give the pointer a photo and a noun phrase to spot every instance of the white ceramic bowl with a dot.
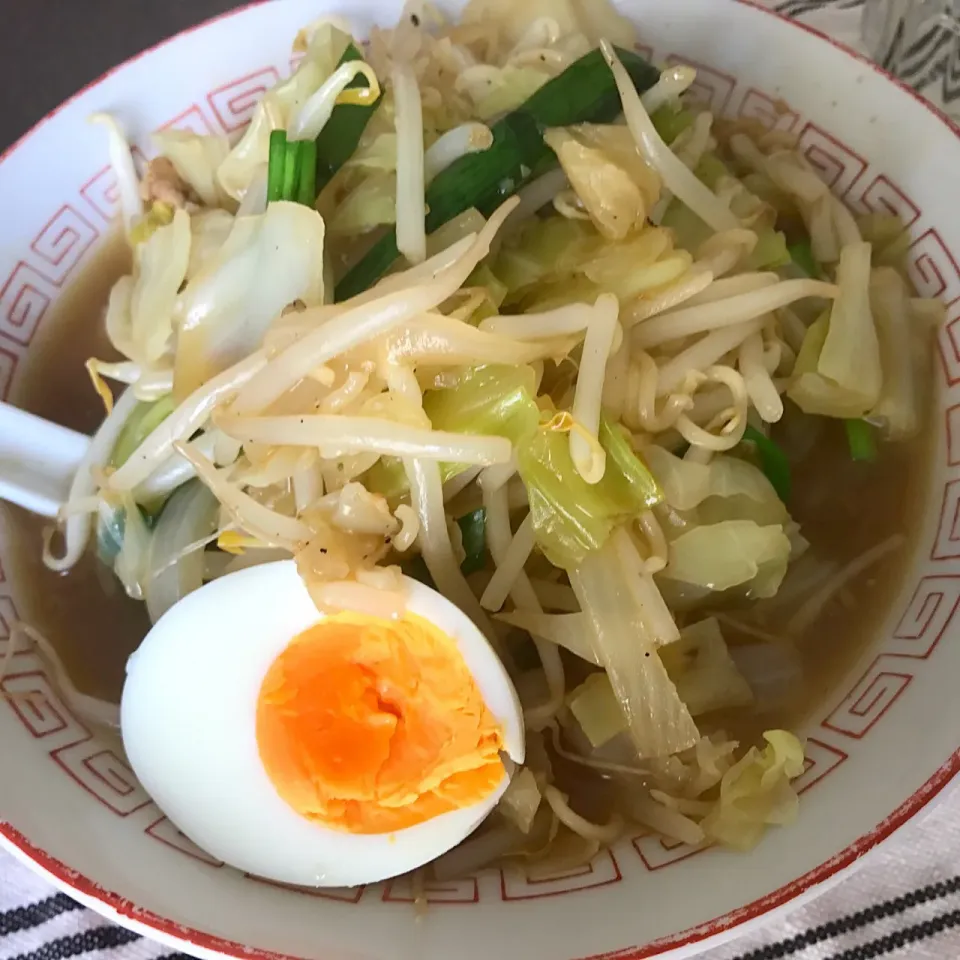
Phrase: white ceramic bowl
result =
(881, 748)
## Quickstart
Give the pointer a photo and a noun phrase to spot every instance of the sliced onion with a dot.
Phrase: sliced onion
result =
(190, 515)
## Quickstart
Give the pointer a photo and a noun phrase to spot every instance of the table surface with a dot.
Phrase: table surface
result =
(49, 49)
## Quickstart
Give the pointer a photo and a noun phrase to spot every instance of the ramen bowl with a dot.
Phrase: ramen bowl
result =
(882, 742)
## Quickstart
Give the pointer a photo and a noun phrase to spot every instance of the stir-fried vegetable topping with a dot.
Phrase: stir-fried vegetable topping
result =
(292, 170)
(572, 518)
(338, 140)
(860, 436)
(578, 405)
(585, 91)
(773, 460)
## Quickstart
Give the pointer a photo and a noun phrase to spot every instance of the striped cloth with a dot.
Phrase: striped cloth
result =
(37, 923)
(902, 904)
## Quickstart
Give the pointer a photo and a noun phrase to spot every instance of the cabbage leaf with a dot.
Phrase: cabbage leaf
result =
(209, 230)
(700, 666)
(278, 106)
(727, 488)
(756, 792)
(196, 159)
(372, 203)
(266, 263)
(547, 249)
(160, 265)
(567, 630)
(490, 399)
(144, 419)
(706, 676)
(732, 553)
(838, 371)
(642, 263)
(612, 180)
(685, 483)
(899, 407)
(595, 707)
(624, 642)
(376, 153)
(738, 490)
(571, 518)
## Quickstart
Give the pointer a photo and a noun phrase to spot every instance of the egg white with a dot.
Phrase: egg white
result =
(188, 719)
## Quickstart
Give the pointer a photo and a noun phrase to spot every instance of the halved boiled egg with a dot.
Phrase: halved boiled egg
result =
(319, 750)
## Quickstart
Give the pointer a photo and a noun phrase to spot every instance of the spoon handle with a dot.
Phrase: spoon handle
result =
(37, 460)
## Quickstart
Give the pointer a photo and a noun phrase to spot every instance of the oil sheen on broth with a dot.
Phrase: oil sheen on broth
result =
(844, 508)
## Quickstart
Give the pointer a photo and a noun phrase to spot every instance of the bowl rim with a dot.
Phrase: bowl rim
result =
(125, 912)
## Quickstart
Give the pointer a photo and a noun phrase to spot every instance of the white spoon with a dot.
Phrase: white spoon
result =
(37, 460)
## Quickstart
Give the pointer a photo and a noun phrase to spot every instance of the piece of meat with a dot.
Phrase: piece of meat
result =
(162, 183)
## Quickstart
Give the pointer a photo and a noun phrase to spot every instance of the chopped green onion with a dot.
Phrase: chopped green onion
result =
(802, 256)
(584, 92)
(862, 440)
(473, 528)
(278, 149)
(291, 170)
(773, 462)
(307, 187)
(338, 140)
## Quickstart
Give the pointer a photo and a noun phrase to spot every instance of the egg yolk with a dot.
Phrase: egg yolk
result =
(371, 726)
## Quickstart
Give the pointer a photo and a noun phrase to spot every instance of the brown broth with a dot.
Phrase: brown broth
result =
(87, 616)
(844, 508)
